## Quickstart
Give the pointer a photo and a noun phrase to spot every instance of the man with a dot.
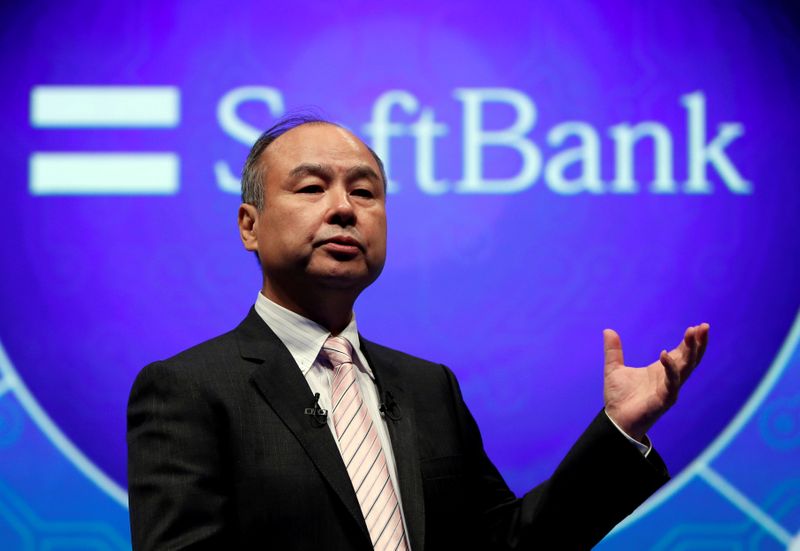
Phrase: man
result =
(294, 432)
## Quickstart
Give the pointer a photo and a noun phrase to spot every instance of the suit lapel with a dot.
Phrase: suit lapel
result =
(404, 441)
(282, 385)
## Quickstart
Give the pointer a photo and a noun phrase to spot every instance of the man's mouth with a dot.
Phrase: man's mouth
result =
(342, 244)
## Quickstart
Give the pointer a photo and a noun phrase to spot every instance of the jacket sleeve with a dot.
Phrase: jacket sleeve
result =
(176, 483)
(600, 481)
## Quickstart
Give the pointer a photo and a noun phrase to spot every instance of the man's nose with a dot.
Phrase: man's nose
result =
(340, 209)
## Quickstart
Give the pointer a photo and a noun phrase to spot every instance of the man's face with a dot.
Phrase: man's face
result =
(324, 217)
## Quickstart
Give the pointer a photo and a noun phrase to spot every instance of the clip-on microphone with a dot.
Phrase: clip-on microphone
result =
(389, 408)
(319, 416)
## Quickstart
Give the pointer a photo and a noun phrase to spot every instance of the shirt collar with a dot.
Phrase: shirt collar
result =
(303, 337)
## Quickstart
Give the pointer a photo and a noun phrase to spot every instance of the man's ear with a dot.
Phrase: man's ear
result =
(248, 224)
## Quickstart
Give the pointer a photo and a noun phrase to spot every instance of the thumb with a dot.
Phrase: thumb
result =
(612, 349)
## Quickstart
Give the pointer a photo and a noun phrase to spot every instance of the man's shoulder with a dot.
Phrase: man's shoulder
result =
(221, 346)
(208, 352)
(208, 360)
(202, 359)
(406, 365)
(383, 353)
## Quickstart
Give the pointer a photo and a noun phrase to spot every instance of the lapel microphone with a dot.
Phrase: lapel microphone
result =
(319, 416)
(389, 408)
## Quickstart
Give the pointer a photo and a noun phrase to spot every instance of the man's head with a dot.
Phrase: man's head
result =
(317, 220)
(252, 173)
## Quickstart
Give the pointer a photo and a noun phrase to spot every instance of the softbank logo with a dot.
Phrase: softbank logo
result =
(568, 160)
(556, 161)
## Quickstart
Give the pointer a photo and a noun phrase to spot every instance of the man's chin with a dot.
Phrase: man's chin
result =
(343, 278)
(343, 282)
(355, 274)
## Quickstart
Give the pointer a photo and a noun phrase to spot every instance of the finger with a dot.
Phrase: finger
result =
(702, 337)
(670, 370)
(684, 349)
(691, 346)
(696, 336)
(612, 350)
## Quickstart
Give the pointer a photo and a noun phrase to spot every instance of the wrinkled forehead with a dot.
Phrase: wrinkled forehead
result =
(317, 143)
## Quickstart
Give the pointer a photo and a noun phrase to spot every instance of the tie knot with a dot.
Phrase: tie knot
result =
(338, 350)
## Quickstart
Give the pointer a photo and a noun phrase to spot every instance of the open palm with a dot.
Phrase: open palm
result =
(635, 397)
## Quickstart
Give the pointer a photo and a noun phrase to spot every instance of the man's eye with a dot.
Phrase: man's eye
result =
(311, 188)
(362, 192)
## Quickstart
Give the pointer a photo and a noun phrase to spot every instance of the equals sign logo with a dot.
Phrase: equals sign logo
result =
(96, 173)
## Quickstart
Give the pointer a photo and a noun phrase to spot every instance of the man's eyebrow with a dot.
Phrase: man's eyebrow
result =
(362, 171)
(311, 169)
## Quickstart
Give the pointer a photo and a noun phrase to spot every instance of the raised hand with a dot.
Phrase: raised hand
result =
(635, 397)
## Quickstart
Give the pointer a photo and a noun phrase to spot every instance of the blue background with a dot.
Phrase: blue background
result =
(95, 287)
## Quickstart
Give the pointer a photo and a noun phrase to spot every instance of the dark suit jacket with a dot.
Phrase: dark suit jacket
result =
(222, 456)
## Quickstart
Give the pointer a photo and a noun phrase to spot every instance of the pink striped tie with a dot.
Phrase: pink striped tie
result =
(362, 452)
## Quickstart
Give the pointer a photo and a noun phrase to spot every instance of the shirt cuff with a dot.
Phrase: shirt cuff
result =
(643, 448)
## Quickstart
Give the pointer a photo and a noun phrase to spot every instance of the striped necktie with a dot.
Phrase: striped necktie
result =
(361, 451)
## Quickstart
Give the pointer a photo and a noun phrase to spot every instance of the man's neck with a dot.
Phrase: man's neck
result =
(332, 309)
